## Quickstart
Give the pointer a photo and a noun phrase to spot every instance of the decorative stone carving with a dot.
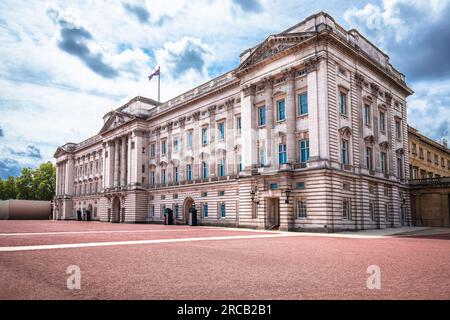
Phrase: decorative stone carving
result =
(384, 145)
(359, 78)
(289, 74)
(249, 90)
(370, 140)
(345, 132)
(212, 109)
(311, 64)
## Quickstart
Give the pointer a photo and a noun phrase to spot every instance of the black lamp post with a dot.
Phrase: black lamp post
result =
(252, 195)
(287, 192)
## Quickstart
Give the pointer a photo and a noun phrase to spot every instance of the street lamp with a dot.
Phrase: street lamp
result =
(253, 195)
(287, 192)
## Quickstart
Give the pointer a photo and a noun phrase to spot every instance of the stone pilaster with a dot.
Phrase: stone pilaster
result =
(123, 162)
(270, 139)
(116, 162)
(248, 115)
(291, 116)
(212, 142)
(231, 167)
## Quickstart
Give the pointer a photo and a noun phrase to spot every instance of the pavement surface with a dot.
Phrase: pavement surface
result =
(125, 261)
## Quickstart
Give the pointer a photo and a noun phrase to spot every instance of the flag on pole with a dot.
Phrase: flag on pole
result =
(156, 73)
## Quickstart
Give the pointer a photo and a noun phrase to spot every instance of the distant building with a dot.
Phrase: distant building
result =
(309, 132)
(427, 158)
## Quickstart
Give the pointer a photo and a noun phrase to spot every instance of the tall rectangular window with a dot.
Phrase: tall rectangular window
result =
(176, 142)
(221, 131)
(383, 160)
(346, 209)
(345, 152)
(282, 158)
(240, 163)
(281, 110)
(261, 116)
(152, 178)
(221, 167)
(367, 117)
(175, 174)
(382, 122)
(152, 150)
(163, 176)
(400, 168)
(163, 147)
(238, 125)
(302, 104)
(189, 139)
(371, 211)
(262, 156)
(304, 150)
(369, 159)
(223, 210)
(176, 210)
(204, 170)
(398, 129)
(205, 210)
(343, 103)
(189, 172)
(301, 209)
(205, 135)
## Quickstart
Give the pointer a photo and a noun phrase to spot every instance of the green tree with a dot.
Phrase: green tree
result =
(9, 188)
(44, 181)
(24, 185)
(2, 190)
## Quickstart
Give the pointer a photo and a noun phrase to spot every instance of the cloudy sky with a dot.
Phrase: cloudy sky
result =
(66, 63)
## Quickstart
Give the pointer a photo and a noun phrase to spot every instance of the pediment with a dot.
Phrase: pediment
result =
(115, 120)
(273, 46)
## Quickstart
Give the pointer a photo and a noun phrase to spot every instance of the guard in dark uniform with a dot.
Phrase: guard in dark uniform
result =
(79, 215)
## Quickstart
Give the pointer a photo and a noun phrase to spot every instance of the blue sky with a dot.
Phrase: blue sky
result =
(66, 63)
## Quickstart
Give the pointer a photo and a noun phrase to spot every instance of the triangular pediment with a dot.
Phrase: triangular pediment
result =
(273, 46)
(115, 120)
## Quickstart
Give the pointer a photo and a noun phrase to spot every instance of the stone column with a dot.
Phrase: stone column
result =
(116, 162)
(212, 143)
(196, 147)
(229, 136)
(270, 136)
(169, 166)
(110, 168)
(58, 177)
(248, 137)
(123, 162)
(291, 116)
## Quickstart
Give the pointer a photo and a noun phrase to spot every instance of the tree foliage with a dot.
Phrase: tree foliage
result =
(32, 184)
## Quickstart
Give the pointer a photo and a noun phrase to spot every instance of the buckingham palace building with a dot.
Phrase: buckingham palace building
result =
(308, 133)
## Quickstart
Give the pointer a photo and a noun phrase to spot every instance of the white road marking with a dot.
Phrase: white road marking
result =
(94, 232)
(137, 242)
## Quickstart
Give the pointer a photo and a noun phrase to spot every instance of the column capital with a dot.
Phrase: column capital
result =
(249, 90)
(311, 64)
(212, 109)
(289, 73)
(267, 82)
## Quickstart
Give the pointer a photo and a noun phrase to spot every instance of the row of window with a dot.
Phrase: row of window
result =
(189, 138)
(429, 156)
(417, 173)
(87, 188)
(221, 206)
(86, 170)
(221, 172)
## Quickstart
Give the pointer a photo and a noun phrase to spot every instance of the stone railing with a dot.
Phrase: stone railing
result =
(444, 181)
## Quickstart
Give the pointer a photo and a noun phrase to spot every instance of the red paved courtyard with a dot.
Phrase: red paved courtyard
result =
(125, 261)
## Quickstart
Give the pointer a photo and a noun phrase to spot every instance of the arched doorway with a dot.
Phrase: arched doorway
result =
(188, 203)
(115, 217)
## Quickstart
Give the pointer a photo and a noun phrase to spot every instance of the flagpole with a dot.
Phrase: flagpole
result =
(159, 86)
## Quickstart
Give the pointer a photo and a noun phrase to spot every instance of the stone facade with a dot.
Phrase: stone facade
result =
(428, 159)
(309, 132)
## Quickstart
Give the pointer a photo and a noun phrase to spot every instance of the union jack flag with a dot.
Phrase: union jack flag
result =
(156, 73)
